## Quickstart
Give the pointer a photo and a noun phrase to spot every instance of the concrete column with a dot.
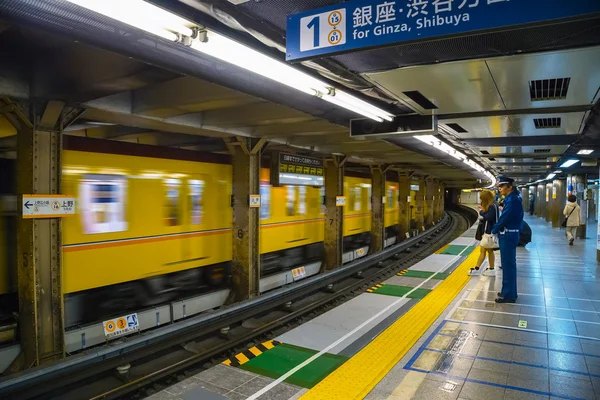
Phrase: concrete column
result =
(334, 214)
(538, 200)
(443, 199)
(403, 194)
(419, 205)
(39, 266)
(579, 183)
(542, 200)
(377, 209)
(436, 201)
(550, 202)
(525, 196)
(245, 264)
(559, 200)
(429, 196)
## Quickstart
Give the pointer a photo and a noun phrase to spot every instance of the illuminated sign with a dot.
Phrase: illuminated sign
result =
(294, 169)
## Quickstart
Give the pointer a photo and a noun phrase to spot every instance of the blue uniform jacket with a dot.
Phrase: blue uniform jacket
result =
(489, 217)
(512, 214)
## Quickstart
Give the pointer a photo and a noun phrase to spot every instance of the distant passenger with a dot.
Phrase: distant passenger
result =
(508, 228)
(489, 211)
(531, 204)
(573, 213)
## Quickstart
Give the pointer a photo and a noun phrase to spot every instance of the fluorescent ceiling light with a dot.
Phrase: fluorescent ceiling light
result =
(568, 163)
(558, 171)
(550, 176)
(157, 21)
(585, 152)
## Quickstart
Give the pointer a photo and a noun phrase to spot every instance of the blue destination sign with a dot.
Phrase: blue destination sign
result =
(362, 24)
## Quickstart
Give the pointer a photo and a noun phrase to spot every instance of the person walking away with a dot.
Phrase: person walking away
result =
(489, 212)
(573, 213)
(508, 227)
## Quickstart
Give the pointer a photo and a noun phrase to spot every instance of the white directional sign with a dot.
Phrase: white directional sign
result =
(254, 200)
(47, 206)
(340, 201)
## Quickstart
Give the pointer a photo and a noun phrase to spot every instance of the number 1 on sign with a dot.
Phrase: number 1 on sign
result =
(315, 23)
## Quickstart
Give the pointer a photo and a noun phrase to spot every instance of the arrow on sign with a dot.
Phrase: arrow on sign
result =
(27, 204)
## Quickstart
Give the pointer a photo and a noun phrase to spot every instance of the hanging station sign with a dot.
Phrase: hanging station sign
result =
(358, 25)
(294, 169)
(400, 125)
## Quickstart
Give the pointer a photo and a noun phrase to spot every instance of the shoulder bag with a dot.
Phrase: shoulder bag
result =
(564, 224)
(489, 240)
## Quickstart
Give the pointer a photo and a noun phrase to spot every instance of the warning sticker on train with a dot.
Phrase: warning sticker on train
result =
(298, 273)
(121, 326)
(47, 206)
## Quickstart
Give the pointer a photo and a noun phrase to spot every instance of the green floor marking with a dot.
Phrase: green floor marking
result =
(280, 359)
(425, 274)
(456, 249)
(394, 290)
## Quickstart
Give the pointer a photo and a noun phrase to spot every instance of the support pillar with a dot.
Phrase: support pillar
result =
(403, 195)
(579, 183)
(559, 201)
(245, 264)
(377, 209)
(442, 199)
(429, 196)
(334, 215)
(550, 202)
(39, 241)
(419, 205)
(539, 200)
(525, 197)
(437, 215)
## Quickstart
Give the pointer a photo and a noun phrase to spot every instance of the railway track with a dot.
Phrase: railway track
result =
(137, 368)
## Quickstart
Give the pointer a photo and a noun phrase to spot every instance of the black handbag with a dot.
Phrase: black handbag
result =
(480, 230)
(564, 224)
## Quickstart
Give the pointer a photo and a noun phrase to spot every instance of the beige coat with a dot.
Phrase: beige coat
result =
(575, 218)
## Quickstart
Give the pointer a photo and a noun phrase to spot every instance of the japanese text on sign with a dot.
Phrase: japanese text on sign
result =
(121, 326)
(370, 23)
(47, 206)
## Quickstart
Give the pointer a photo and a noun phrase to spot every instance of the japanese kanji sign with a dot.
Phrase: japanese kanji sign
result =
(47, 206)
(362, 24)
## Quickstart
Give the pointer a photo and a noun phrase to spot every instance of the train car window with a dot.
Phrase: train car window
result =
(172, 206)
(301, 200)
(196, 194)
(357, 198)
(390, 198)
(265, 201)
(290, 200)
(103, 203)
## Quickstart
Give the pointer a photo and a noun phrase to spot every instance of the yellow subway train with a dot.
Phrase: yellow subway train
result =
(154, 224)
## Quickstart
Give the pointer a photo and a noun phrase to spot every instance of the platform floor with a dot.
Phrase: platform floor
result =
(383, 344)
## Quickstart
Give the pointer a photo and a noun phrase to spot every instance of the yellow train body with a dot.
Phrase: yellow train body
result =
(139, 217)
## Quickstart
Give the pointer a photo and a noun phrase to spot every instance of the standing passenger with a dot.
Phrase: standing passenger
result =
(531, 203)
(573, 213)
(508, 227)
(488, 210)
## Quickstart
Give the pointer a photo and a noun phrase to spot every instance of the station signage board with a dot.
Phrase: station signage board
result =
(294, 169)
(47, 206)
(358, 25)
(402, 124)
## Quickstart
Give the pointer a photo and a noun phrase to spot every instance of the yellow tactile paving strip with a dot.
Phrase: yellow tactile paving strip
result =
(358, 376)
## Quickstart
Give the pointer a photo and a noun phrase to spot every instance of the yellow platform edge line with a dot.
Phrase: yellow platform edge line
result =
(442, 249)
(360, 374)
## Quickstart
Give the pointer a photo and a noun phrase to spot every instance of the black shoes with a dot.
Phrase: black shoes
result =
(571, 241)
(503, 300)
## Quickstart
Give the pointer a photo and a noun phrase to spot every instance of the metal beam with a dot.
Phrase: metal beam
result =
(546, 140)
(377, 209)
(403, 201)
(39, 246)
(518, 156)
(245, 264)
(334, 215)
(518, 111)
(522, 163)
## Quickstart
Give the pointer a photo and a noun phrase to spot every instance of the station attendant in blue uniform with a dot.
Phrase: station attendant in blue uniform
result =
(507, 228)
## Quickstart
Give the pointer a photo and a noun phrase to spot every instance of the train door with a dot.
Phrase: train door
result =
(174, 222)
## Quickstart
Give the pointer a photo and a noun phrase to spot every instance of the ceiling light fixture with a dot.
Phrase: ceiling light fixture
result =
(438, 144)
(569, 163)
(585, 152)
(550, 176)
(163, 23)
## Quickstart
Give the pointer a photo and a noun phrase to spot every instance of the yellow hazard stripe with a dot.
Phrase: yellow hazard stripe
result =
(440, 251)
(358, 376)
(241, 358)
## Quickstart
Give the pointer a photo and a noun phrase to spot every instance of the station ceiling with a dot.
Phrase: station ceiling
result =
(135, 88)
